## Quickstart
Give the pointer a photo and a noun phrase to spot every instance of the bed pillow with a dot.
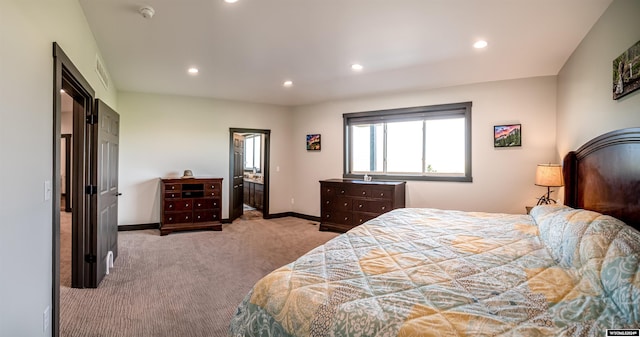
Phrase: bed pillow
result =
(595, 245)
(562, 230)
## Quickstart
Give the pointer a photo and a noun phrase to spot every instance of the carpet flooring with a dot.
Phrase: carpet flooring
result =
(65, 249)
(186, 283)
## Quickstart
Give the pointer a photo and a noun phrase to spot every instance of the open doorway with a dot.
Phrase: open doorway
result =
(66, 191)
(73, 101)
(84, 240)
(249, 173)
(253, 175)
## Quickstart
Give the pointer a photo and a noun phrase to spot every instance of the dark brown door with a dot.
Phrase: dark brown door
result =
(104, 222)
(238, 179)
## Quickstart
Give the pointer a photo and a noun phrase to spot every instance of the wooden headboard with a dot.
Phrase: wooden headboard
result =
(603, 175)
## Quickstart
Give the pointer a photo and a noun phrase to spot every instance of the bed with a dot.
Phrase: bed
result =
(562, 270)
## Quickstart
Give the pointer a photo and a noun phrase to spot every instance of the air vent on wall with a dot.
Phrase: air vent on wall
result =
(102, 73)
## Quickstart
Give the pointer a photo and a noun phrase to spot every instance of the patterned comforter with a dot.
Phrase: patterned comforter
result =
(429, 272)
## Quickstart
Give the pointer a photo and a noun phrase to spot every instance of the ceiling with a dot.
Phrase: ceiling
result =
(246, 50)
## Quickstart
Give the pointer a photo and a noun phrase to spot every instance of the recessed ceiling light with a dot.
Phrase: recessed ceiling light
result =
(356, 67)
(480, 44)
(230, 1)
(193, 70)
(287, 84)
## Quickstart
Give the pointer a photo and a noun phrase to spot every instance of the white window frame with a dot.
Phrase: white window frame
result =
(454, 110)
(252, 138)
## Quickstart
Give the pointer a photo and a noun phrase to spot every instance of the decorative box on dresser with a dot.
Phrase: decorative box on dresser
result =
(190, 203)
(348, 203)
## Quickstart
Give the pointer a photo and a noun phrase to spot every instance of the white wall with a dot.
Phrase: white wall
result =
(162, 135)
(585, 105)
(502, 178)
(27, 30)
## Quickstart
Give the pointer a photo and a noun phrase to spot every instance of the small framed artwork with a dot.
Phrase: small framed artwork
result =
(626, 72)
(313, 142)
(507, 135)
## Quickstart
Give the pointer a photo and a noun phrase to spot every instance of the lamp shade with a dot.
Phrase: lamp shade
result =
(549, 175)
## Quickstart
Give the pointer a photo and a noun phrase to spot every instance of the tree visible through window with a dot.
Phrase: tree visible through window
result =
(421, 143)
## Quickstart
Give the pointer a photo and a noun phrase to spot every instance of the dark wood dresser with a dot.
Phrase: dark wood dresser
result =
(349, 203)
(191, 203)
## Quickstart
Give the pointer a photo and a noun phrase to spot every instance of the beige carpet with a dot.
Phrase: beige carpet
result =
(186, 283)
(65, 249)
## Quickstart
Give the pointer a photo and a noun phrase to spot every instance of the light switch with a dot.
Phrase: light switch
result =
(47, 190)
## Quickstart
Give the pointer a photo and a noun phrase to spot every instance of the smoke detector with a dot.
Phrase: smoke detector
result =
(147, 12)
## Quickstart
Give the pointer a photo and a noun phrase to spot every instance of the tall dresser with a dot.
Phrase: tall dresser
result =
(349, 203)
(191, 203)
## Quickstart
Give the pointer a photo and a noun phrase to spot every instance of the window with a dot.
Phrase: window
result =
(252, 151)
(421, 143)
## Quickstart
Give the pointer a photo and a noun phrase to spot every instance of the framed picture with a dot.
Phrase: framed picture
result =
(507, 135)
(626, 72)
(313, 142)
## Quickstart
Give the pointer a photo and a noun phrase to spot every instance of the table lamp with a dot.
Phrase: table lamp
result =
(548, 175)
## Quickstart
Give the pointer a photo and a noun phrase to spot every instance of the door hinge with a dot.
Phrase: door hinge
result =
(90, 258)
(92, 119)
(91, 189)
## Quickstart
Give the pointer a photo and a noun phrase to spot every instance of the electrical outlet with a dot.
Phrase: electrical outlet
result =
(46, 321)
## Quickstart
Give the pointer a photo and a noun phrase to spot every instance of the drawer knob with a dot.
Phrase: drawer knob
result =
(170, 206)
(328, 216)
(364, 192)
(382, 194)
(345, 204)
(383, 208)
(187, 205)
(360, 205)
(342, 192)
(199, 205)
(187, 217)
(215, 204)
(327, 202)
(173, 187)
(170, 219)
(345, 218)
(172, 195)
(198, 217)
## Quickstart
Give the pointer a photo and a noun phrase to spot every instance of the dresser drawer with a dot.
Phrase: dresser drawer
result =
(177, 217)
(345, 218)
(360, 191)
(331, 190)
(338, 204)
(172, 195)
(212, 193)
(173, 187)
(371, 206)
(178, 205)
(381, 192)
(202, 216)
(359, 217)
(208, 203)
(214, 186)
